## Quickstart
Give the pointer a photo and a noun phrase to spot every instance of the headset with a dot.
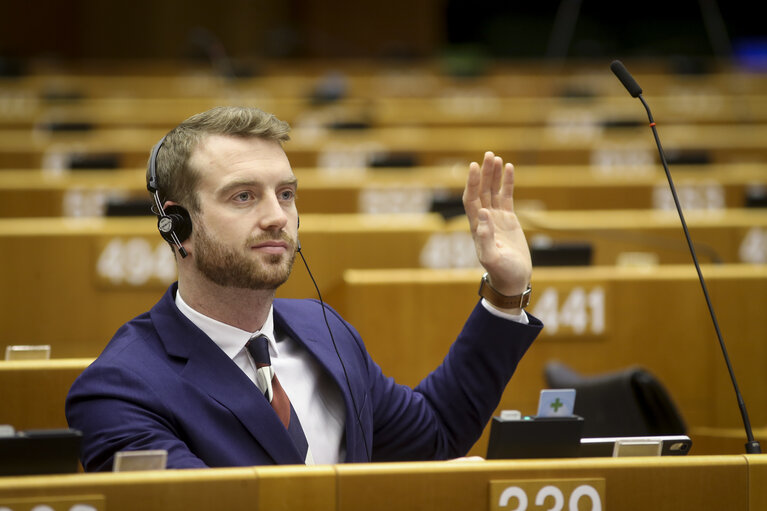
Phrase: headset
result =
(173, 222)
(175, 226)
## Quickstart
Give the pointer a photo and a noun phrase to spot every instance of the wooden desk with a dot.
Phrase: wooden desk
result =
(32, 392)
(37, 193)
(71, 283)
(475, 106)
(623, 237)
(717, 441)
(94, 274)
(598, 319)
(671, 483)
(730, 236)
(371, 79)
(310, 147)
(225, 488)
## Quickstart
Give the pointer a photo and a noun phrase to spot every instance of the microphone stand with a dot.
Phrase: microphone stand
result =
(752, 445)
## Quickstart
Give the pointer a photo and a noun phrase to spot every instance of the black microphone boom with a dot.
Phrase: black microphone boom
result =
(617, 67)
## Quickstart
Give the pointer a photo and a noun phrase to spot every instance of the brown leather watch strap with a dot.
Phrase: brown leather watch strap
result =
(489, 293)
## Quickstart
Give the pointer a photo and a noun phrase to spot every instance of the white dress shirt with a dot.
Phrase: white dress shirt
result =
(315, 397)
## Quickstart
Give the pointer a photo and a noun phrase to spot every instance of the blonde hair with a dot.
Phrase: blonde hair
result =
(176, 180)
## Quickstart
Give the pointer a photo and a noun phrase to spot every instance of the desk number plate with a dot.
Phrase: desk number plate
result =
(548, 495)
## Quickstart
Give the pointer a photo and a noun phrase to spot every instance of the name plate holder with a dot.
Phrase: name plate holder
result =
(28, 352)
(130, 461)
(644, 447)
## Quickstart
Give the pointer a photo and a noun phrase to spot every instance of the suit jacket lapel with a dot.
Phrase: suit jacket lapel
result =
(311, 332)
(211, 370)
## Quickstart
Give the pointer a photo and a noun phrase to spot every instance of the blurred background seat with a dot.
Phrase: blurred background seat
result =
(628, 402)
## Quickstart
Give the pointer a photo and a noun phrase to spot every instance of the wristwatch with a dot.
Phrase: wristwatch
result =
(489, 293)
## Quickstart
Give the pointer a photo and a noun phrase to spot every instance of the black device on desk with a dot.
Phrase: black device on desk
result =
(535, 437)
(670, 445)
(37, 452)
(557, 433)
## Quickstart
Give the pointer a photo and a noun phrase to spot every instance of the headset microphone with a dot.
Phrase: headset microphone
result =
(173, 222)
(298, 241)
(338, 354)
(617, 67)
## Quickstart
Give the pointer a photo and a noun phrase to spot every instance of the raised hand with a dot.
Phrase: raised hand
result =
(498, 237)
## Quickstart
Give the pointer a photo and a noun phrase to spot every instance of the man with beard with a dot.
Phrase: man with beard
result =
(220, 373)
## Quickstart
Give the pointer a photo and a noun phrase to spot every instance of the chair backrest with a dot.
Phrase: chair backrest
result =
(629, 402)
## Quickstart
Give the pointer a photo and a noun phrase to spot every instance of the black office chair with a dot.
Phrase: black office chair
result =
(630, 402)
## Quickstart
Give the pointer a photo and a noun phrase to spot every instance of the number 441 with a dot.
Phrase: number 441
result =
(582, 312)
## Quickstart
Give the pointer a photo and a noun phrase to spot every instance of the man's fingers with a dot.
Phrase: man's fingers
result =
(495, 183)
(506, 195)
(486, 181)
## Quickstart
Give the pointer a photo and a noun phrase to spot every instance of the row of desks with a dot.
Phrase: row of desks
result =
(598, 319)
(693, 482)
(327, 148)
(375, 79)
(38, 193)
(116, 268)
(452, 108)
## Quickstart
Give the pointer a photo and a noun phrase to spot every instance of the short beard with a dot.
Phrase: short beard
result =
(228, 267)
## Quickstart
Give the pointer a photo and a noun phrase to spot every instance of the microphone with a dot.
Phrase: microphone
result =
(617, 67)
(626, 79)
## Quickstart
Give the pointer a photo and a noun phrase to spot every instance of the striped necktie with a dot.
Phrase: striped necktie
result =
(267, 382)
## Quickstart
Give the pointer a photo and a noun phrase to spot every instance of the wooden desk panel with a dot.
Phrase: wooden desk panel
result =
(309, 147)
(718, 441)
(599, 319)
(455, 107)
(71, 283)
(729, 236)
(670, 483)
(37, 193)
(33, 392)
(231, 488)
(631, 484)
(92, 275)
(373, 79)
(625, 237)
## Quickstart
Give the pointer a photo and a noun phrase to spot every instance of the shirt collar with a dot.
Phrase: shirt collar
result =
(230, 339)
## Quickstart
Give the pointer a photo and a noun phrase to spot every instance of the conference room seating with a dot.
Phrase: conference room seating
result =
(39, 193)
(452, 107)
(324, 148)
(621, 403)
(90, 275)
(373, 79)
(400, 141)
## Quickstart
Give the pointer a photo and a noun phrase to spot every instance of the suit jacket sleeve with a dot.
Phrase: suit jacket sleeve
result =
(446, 413)
(117, 409)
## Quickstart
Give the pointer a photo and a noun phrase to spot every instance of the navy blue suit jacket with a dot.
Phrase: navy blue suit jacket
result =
(161, 383)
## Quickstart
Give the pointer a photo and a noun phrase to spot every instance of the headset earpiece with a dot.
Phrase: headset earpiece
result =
(176, 219)
(173, 222)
